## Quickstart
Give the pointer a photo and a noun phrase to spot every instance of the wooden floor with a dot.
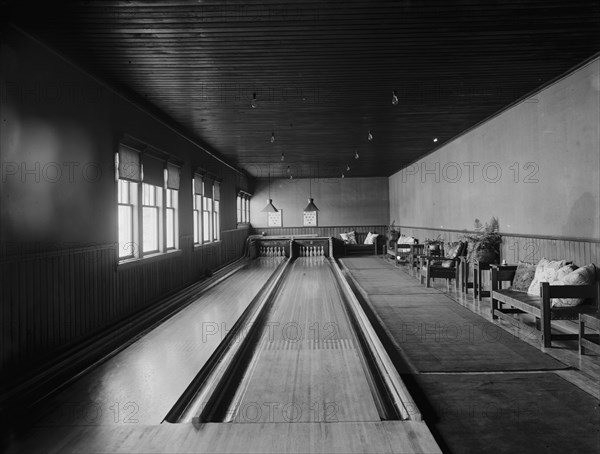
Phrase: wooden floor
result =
(308, 367)
(306, 396)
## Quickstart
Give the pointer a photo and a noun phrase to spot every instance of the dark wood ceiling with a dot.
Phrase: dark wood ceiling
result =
(323, 72)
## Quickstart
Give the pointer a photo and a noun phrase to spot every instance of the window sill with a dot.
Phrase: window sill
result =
(200, 246)
(130, 263)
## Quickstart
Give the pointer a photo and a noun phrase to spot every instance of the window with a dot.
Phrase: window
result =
(151, 219)
(147, 193)
(206, 214)
(197, 187)
(171, 218)
(206, 219)
(127, 197)
(243, 208)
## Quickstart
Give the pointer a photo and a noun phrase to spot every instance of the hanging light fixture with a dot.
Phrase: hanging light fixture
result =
(343, 176)
(347, 167)
(395, 98)
(370, 136)
(270, 208)
(311, 204)
(254, 102)
(272, 137)
(356, 155)
(282, 157)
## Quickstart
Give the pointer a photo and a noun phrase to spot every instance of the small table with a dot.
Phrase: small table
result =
(478, 291)
(465, 285)
(592, 321)
(415, 251)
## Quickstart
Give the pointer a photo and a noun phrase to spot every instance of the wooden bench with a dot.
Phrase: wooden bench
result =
(540, 306)
(585, 340)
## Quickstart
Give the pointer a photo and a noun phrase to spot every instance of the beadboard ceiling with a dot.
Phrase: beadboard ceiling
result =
(323, 72)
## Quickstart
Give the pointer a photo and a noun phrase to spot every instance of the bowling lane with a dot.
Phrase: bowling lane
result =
(141, 383)
(307, 367)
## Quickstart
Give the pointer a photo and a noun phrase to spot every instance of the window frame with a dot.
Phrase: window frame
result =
(140, 198)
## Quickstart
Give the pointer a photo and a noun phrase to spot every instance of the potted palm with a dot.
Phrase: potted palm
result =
(484, 243)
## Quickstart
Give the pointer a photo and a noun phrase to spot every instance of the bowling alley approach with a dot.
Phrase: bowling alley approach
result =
(300, 227)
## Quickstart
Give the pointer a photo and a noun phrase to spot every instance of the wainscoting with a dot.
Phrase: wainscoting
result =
(523, 247)
(52, 301)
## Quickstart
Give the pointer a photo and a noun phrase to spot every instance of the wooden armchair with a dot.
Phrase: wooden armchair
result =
(446, 267)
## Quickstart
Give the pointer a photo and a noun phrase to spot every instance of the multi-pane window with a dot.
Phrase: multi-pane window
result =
(127, 197)
(197, 188)
(207, 208)
(171, 218)
(243, 208)
(147, 191)
(151, 219)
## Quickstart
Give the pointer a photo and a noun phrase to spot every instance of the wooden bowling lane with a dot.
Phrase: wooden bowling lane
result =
(307, 367)
(141, 383)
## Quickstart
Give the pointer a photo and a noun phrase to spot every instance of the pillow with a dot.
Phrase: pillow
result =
(545, 271)
(523, 276)
(371, 238)
(586, 275)
(349, 237)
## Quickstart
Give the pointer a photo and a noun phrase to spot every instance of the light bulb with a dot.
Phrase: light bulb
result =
(272, 137)
(347, 167)
(254, 102)
(394, 98)
(370, 136)
(435, 139)
(356, 155)
(343, 176)
(282, 157)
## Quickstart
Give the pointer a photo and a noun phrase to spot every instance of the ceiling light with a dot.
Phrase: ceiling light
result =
(270, 208)
(254, 102)
(394, 98)
(282, 157)
(370, 136)
(311, 204)
(288, 169)
(272, 137)
(347, 167)
(356, 155)
(343, 176)
(435, 139)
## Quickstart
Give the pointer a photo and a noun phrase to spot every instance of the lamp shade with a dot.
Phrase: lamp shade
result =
(270, 208)
(311, 206)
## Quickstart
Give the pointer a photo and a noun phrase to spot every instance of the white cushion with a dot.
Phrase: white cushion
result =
(545, 271)
(371, 238)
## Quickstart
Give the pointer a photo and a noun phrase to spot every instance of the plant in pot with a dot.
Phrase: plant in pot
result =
(484, 243)
(393, 232)
(434, 245)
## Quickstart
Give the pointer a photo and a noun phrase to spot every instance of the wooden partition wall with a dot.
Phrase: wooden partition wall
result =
(525, 248)
(332, 231)
(54, 300)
